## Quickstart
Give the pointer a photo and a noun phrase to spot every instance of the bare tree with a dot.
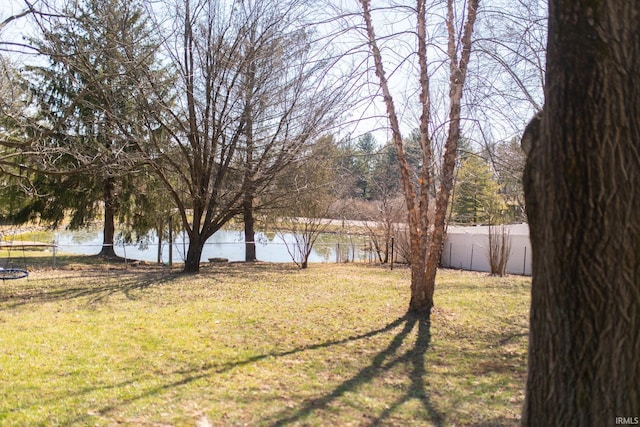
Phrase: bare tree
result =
(304, 229)
(499, 249)
(426, 222)
(288, 100)
(27, 11)
(510, 50)
(310, 197)
(383, 217)
(14, 178)
(582, 187)
(203, 116)
(247, 102)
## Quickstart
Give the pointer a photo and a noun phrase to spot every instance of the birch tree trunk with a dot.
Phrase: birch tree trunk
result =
(426, 224)
(582, 187)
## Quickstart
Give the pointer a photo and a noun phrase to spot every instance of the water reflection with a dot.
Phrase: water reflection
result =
(228, 244)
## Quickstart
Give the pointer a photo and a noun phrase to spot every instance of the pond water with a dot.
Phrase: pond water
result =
(271, 247)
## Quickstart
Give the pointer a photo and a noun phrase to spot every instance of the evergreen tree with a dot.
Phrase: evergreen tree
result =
(84, 96)
(385, 180)
(358, 159)
(13, 175)
(476, 199)
(363, 162)
(508, 161)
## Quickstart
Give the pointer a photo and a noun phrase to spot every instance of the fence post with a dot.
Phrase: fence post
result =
(55, 247)
(124, 249)
(524, 261)
(392, 251)
(170, 241)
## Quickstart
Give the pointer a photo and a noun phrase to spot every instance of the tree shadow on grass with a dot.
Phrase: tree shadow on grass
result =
(106, 276)
(395, 354)
(124, 282)
(381, 363)
(191, 375)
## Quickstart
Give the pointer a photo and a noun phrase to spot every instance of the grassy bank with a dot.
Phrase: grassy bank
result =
(258, 345)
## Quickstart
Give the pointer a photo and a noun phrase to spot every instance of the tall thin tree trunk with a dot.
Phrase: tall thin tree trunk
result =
(249, 231)
(249, 192)
(109, 229)
(582, 187)
(160, 231)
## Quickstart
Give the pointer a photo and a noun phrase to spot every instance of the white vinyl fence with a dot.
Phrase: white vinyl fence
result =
(467, 248)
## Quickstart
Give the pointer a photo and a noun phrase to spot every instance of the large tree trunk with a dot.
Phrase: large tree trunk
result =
(423, 281)
(194, 253)
(109, 229)
(582, 187)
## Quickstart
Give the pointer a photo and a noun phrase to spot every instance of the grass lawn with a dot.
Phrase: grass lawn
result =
(258, 345)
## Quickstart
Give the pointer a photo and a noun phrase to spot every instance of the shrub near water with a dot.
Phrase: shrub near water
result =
(259, 345)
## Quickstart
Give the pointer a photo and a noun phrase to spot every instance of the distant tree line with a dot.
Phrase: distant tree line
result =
(487, 185)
